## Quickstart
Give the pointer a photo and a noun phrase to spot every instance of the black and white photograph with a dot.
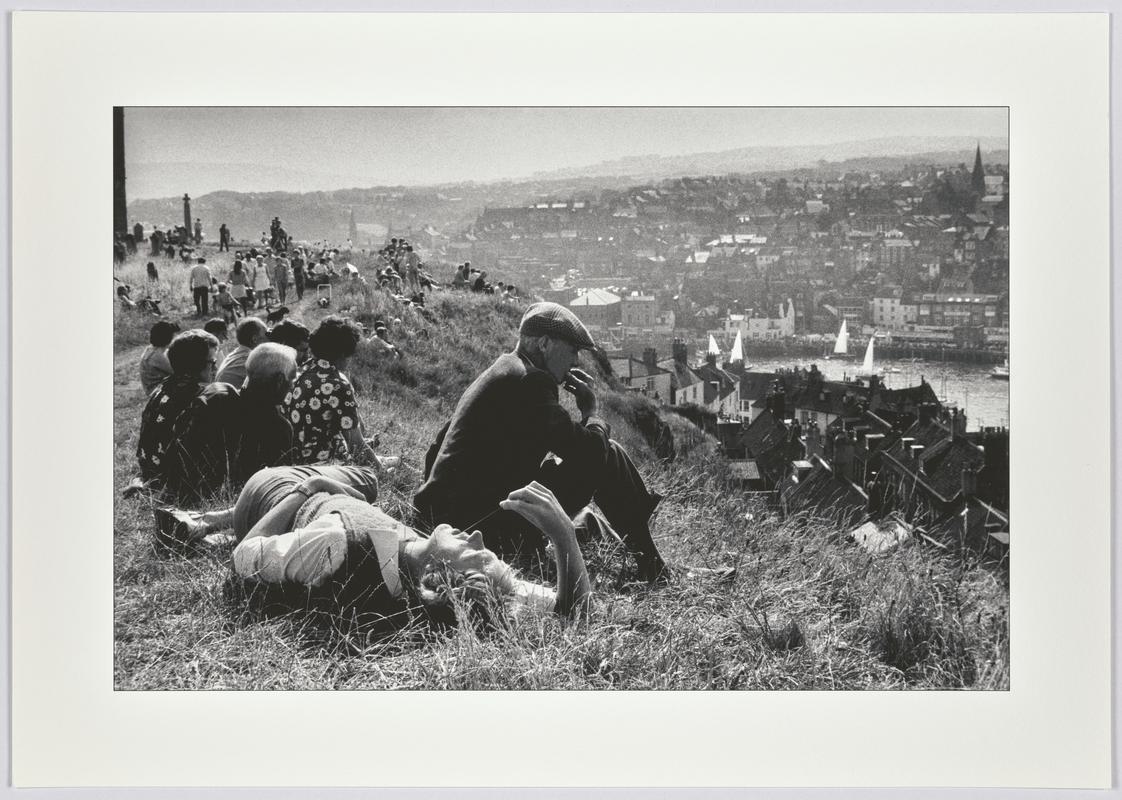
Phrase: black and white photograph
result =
(561, 397)
(645, 396)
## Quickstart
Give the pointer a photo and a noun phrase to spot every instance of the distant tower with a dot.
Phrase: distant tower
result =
(352, 231)
(120, 208)
(978, 176)
(186, 212)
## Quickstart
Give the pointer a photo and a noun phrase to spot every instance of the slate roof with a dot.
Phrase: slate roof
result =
(595, 297)
(631, 367)
(977, 526)
(708, 373)
(944, 462)
(745, 470)
(681, 375)
(755, 385)
(824, 494)
(768, 442)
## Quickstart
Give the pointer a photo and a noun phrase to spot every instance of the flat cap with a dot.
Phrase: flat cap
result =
(551, 319)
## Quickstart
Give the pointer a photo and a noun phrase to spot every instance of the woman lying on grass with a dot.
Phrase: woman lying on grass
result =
(314, 528)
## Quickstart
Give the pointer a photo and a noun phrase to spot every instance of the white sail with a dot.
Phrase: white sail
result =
(867, 364)
(737, 349)
(841, 346)
(713, 349)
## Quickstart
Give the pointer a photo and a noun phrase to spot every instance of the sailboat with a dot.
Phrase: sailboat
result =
(737, 353)
(841, 345)
(867, 369)
(1001, 373)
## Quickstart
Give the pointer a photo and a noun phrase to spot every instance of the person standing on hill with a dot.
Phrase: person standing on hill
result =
(198, 231)
(412, 265)
(282, 276)
(200, 287)
(223, 238)
(138, 233)
(298, 274)
(238, 281)
(260, 281)
(506, 426)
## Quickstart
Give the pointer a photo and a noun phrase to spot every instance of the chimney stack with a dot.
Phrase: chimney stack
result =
(650, 357)
(958, 423)
(927, 413)
(813, 440)
(777, 401)
(843, 456)
(678, 348)
(969, 483)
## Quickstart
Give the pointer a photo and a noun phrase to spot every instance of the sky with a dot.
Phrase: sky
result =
(303, 149)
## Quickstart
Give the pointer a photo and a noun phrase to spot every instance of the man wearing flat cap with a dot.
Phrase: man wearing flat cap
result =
(506, 424)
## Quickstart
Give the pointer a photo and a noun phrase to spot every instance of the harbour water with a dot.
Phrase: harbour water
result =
(969, 386)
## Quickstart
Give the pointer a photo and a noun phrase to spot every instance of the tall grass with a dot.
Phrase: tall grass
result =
(805, 609)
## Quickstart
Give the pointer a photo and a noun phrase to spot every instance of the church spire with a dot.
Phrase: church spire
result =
(978, 176)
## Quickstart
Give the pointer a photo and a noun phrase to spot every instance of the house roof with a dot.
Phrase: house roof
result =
(822, 493)
(745, 470)
(944, 462)
(681, 376)
(630, 367)
(770, 443)
(726, 382)
(755, 385)
(595, 297)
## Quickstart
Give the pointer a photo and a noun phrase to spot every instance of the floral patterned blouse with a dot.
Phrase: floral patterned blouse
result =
(165, 404)
(320, 407)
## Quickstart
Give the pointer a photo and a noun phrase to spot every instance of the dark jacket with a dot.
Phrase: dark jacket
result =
(225, 435)
(505, 423)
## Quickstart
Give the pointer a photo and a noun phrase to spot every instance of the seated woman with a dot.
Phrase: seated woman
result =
(322, 405)
(314, 528)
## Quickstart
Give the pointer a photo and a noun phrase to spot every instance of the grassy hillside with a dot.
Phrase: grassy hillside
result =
(806, 609)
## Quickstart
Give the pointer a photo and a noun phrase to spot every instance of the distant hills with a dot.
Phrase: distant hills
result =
(318, 211)
(895, 150)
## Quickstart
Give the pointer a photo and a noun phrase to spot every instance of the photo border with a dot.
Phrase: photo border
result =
(41, 675)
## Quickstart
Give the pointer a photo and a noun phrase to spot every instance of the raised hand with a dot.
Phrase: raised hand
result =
(540, 507)
(579, 384)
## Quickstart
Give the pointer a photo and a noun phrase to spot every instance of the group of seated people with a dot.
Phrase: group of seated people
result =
(149, 305)
(466, 276)
(206, 423)
(400, 269)
(509, 472)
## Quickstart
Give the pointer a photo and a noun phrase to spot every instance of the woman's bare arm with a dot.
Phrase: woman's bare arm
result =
(280, 517)
(539, 505)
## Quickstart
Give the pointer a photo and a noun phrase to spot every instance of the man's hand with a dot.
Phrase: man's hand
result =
(579, 384)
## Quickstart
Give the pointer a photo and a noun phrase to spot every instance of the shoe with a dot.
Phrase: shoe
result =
(135, 486)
